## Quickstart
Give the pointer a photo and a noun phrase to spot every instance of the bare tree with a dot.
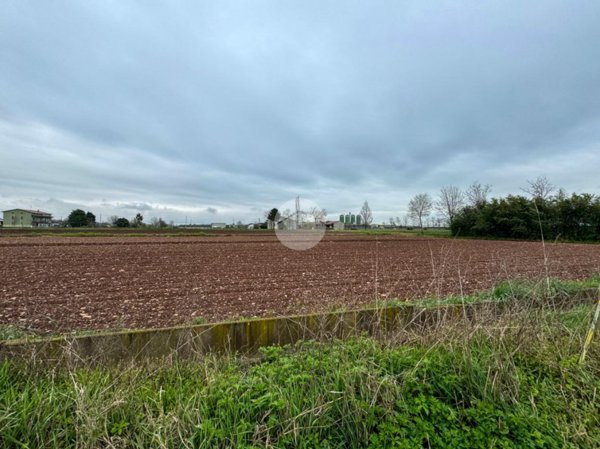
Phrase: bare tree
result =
(158, 223)
(477, 193)
(366, 214)
(420, 207)
(540, 188)
(317, 214)
(450, 202)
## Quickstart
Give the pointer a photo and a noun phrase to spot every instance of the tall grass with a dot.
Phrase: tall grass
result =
(512, 382)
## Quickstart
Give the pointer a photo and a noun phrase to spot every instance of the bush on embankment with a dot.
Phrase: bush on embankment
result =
(516, 384)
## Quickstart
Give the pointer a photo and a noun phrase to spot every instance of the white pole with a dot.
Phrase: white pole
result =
(591, 330)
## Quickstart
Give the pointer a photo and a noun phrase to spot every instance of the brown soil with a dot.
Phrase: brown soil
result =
(58, 284)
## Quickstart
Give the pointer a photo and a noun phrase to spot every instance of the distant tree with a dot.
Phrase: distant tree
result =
(158, 223)
(451, 200)
(121, 222)
(477, 194)
(317, 214)
(90, 218)
(272, 217)
(366, 214)
(77, 218)
(138, 221)
(540, 188)
(420, 207)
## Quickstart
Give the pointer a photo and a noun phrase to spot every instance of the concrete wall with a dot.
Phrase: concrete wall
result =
(248, 336)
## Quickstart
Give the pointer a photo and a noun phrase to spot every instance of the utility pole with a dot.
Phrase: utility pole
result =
(298, 212)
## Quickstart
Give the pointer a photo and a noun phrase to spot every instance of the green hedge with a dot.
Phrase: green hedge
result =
(571, 218)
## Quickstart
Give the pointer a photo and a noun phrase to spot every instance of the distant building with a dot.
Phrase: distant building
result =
(351, 221)
(218, 225)
(25, 218)
(63, 223)
(287, 224)
(334, 225)
(263, 225)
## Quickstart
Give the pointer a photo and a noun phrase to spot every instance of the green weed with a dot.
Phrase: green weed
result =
(519, 388)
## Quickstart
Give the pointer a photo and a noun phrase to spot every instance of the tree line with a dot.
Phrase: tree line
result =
(450, 202)
(79, 218)
(542, 211)
(575, 217)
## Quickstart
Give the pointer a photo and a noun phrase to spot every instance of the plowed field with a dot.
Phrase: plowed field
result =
(57, 284)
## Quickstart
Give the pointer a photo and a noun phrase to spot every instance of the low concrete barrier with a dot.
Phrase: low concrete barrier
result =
(249, 335)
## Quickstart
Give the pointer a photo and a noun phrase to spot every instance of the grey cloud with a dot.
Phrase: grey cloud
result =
(135, 206)
(243, 106)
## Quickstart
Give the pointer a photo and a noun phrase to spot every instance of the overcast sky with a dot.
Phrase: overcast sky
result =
(221, 110)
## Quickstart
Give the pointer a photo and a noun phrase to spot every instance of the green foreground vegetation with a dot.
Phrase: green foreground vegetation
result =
(512, 383)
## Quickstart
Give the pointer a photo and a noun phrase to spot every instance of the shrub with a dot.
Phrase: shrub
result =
(572, 218)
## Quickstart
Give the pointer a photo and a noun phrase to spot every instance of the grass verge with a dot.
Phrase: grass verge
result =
(512, 383)
(507, 291)
(430, 232)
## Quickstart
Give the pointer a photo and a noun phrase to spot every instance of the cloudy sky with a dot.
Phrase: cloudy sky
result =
(218, 111)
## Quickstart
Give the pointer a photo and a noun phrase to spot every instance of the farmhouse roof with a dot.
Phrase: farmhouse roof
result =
(31, 211)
